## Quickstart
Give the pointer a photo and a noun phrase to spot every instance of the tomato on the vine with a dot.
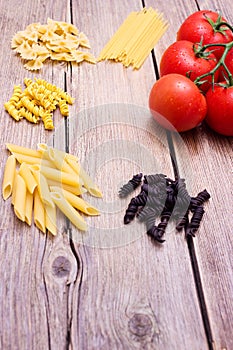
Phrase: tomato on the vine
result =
(229, 63)
(220, 109)
(176, 103)
(184, 57)
(203, 25)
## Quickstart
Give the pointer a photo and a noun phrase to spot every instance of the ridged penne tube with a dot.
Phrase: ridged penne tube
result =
(76, 202)
(20, 197)
(28, 208)
(73, 189)
(56, 175)
(50, 219)
(88, 183)
(69, 211)
(42, 147)
(59, 160)
(39, 211)
(8, 177)
(23, 150)
(21, 158)
(25, 172)
(43, 188)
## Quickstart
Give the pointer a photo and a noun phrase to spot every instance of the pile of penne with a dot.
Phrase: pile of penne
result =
(43, 179)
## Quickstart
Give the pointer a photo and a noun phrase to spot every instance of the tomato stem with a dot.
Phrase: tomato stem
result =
(221, 62)
(224, 24)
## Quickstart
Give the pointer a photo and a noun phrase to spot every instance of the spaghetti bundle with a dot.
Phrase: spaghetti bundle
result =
(135, 38)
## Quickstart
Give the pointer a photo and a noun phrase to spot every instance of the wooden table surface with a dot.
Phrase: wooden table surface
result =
(112, 288)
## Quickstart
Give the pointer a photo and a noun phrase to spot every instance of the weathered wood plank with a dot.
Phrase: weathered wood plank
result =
(209, 166)
(37, 270)
(129, 295)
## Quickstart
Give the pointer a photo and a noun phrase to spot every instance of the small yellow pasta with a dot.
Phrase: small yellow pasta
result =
(20, 197)
(25, 172)
(50, 219)
(69, 211)
(77, 190)
(39, 211)
(56, 175)
(77, 202)
(87, 180)
(63, 107)
(12, 110)
(28, 208)
(32, 160)
(43, 188)
(16, 95)
(59, 160)
(23, 150)
(28, 115)
(8, 177)
(43, 147)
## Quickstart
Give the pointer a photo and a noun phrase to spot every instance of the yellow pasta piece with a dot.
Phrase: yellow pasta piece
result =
(59, 160)
(28, 208)
(47, 118)
(16, 94)
(50, 219)
(20, 197)
(76, 201)
(69, 211)
(23, 150)
(43, 188)
(63, 107)
(39, 211)
(56, 175)
(88, 183)
(32, 160)
(28, 115)
(29, 179)
(12, 110)
(44, 148)
(77, 190)
(14, 188)
(8, 177)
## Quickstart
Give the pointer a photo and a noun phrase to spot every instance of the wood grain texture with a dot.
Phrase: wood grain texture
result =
(129, 294)
(37, 270)
(111, 287)
(208, 164)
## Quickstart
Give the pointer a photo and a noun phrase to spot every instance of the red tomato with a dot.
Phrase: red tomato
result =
(220, 110)
(197, 27)
(229, 64)
(176, 103)
(180, 57)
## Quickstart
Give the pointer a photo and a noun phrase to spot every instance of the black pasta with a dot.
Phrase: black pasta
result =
(202, 197)
(146, 213)
(131, 185)
(182, 221)
(195, 221)
(130, 212)
(155, 234)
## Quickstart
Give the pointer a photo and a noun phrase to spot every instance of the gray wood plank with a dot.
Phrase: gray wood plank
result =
(209, 165)
(134, 295)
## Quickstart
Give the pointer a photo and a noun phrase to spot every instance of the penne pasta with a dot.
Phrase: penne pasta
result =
(73, 189)
(59, 160)
(69, 211)
(88, 183)
(21, 158)
(20, 197)
(28, 208)
(8, 177)
(50, 219)
(42, 147)
(56, 175)
(29, 179)
(76, 202)
(39, 211)
(43, 188)
(23, 150)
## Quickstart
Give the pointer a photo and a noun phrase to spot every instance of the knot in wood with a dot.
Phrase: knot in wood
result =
(140, 325)
(61, 266)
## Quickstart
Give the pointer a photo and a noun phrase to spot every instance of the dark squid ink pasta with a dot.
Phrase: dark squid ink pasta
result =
(163, 198)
